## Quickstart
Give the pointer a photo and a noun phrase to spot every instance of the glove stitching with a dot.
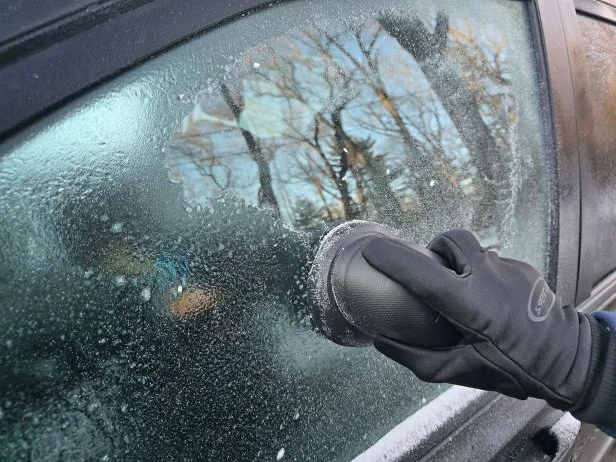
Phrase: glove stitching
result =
(500, 369)
(491, 342)
(400, 344)
(523, 370)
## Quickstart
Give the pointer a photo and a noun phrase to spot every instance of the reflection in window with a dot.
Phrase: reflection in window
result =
(159, 230)
(410, 121)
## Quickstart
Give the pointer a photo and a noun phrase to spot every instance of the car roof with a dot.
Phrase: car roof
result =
(28, 25)
(19, 17)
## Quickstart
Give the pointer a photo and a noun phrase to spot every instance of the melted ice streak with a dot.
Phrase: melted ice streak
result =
(414, 430)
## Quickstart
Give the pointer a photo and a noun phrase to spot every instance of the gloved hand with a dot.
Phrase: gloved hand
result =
(518, 339)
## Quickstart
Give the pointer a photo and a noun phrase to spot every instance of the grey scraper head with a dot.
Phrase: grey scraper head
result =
(352, 302)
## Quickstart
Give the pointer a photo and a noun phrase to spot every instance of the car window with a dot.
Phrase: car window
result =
(158, 230)
(599, 37)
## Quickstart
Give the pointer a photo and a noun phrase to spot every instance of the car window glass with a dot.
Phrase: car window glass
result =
(157, 231)
(599, 39)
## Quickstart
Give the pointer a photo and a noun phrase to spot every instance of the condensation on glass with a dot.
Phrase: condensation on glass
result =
(156, 233)
(599, 40)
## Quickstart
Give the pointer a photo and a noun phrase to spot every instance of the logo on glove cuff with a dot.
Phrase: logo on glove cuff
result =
(541, 301)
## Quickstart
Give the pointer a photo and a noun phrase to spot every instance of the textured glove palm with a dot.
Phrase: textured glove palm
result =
(518, 339)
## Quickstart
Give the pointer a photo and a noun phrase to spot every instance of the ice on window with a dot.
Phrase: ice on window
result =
(157, 231)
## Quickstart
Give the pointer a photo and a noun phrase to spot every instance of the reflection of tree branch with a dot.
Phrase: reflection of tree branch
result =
(314, 180)
(322, 171)
(368, 50)
(266, 192)
(419, 158)
(288, 87)
(428, 49)
(344, 161)
(479, 67)
(476, 56)
(207, 170)
(338, 179)
(200, 154)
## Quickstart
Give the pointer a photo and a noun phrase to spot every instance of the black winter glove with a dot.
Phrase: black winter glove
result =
(518, 339)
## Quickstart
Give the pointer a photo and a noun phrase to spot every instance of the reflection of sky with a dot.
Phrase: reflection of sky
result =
(267, 114)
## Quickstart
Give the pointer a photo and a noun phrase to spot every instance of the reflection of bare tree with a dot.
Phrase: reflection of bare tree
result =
(345, 76)
(369, 139)
(461, 98)
(370, 72)
(266, 191)
(423, 161)
(194, 146)
(336, 160)
(200, 152)
(482, 67)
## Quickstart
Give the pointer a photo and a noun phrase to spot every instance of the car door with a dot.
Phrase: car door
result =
(167, 172)
(596, 28)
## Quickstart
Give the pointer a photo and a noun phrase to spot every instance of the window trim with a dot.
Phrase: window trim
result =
(598, 9)
(584, 120)
(602, 295)
(45, 26)
(566, 69)
(463, 436)
(591, 266)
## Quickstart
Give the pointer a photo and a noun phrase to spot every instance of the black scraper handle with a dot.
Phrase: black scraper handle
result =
(377, 305)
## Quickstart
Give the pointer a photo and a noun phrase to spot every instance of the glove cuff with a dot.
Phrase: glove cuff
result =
(597, 402)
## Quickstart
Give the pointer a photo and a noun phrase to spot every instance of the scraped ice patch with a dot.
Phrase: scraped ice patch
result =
(413, 431)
